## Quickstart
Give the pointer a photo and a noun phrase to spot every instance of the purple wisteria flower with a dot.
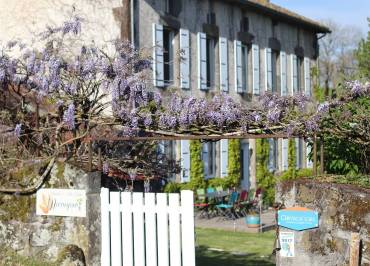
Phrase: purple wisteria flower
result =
(323, 108)
(17, 130)
(69, 117)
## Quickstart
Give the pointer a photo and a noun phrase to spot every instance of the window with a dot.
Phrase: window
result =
(209, 159)
(245, 68)
(211, 18)
(274, 64)
(168, 56)
(273, 155)
(170, 6)
(244, 24)
(300, 67)
(210, 55)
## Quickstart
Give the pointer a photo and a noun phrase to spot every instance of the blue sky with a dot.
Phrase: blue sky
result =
(345, 12)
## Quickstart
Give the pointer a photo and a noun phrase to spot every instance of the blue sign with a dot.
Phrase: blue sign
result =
(298, 218)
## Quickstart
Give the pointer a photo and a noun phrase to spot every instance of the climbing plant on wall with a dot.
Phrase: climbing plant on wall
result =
(233, 171)
(265, 179)
(196, 166)
(292, 159)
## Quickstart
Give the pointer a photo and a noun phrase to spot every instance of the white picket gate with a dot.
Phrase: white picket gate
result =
(147, 229)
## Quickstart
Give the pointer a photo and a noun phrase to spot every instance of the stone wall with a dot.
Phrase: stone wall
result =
(342, 209)
(53, 238)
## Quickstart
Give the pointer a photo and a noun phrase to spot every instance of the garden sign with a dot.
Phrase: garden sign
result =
(298, 218)
(61, 202)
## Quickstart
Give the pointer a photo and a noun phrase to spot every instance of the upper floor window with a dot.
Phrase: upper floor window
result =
(168, 56)
(244, 68)
(271, 69)
(169, 7)
(244, 24)
(210, 55)
(297, 74)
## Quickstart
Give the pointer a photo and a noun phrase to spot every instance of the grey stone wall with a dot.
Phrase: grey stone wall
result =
(49, 237)
(342, 209)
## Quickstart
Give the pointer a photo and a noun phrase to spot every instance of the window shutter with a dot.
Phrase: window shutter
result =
(294, 71)
(297, 153)
(158, 60)
(268, 69)
(185, 59)
(224, 77)
(307, 76)
(224, 157)
(283, 69)
(308, 151)
(284, 154)
(205, 159)
(238, 66)
(271, 164)
(256, 69)
(185, 161)
(202, 61)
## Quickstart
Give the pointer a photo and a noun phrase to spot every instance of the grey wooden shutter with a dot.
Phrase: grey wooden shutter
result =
(283, 74)
(224, 156)
(185, 160)
(294, 74)
(268, 69)
(307, 77)
(238, 66)
(256, 69)
(224, 75)
(185, 59)
(202, 61)
(158, 60)
(205, 159)
(284, 154)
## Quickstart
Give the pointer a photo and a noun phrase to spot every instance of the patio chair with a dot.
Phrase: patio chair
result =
(227, 210)
(201, 204)
(241, 206)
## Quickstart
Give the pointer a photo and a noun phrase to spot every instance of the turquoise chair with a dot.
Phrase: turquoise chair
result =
(227, 210)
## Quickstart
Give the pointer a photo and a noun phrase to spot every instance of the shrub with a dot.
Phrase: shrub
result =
(234, 167)
(196, 166)
(265, 179)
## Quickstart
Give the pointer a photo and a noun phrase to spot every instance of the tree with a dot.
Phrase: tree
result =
(196, 166)
(363, 56)
(337, 55)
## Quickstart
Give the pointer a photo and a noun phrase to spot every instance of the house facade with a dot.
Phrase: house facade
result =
(240, 48)
(201, 48)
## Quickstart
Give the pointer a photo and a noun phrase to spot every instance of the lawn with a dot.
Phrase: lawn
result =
(217, 247)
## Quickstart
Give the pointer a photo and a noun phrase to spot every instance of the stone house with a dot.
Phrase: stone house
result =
(200, 48)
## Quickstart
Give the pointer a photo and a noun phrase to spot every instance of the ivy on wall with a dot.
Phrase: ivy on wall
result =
(234, 166)
(196, 166)
(265, 179)
(292, 159)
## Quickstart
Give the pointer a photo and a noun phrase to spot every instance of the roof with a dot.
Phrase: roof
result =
(283, 14)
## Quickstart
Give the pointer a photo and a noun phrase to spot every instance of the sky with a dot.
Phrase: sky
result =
(344, 12)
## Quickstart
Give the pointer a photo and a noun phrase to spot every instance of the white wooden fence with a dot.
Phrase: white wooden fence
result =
(147, 229)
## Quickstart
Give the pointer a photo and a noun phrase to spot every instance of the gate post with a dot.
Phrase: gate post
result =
(93, 218)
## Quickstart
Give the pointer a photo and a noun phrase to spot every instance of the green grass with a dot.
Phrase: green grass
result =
(237, 248)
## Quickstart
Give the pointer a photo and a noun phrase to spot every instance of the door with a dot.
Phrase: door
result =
(245, 173)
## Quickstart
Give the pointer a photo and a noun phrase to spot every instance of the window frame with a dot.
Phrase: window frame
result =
(168, 56)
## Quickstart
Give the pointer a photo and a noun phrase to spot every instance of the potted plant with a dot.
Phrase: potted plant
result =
(253, 219)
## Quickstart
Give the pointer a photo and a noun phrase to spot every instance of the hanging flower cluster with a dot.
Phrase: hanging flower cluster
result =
(87, 87)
